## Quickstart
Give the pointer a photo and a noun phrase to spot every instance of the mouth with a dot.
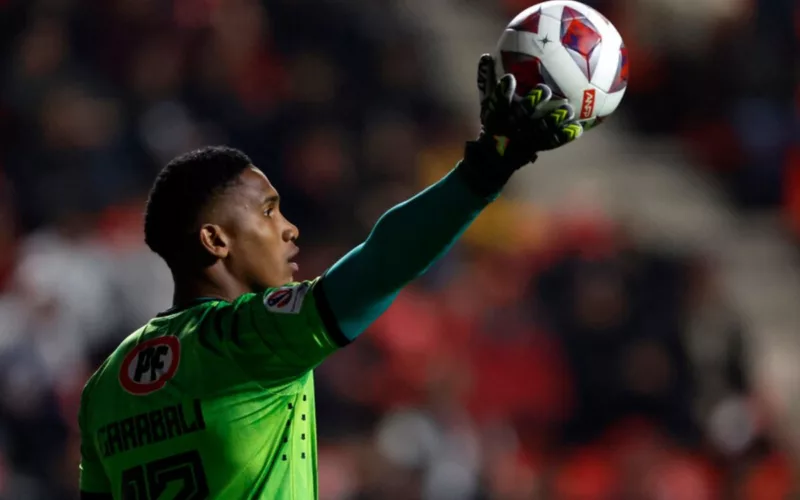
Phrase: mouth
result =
(293, 265)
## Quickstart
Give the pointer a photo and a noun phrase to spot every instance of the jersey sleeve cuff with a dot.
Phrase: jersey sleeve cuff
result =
(326, 315)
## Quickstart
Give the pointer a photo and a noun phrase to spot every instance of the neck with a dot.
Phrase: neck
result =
(207, 284)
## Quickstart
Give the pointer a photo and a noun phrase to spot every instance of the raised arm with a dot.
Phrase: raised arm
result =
(413, 235)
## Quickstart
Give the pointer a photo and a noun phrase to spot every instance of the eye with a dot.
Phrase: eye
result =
(268, 212)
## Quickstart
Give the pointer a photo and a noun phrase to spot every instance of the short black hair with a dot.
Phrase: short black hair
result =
(180, 193)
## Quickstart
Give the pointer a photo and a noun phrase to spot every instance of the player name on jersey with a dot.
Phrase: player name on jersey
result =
(150, 427)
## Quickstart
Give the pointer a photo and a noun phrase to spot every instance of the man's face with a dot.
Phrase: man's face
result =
(261, 240)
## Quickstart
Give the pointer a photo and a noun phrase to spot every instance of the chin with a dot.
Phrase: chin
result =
(281, 282)
(277, 280)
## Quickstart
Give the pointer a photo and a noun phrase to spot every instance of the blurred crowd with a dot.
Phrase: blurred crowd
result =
(549, 356)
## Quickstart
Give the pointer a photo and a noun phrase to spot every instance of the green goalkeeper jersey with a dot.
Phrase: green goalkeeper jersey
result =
(215, 400)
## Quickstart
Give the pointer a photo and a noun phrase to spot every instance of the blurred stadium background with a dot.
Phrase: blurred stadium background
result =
(622, 325)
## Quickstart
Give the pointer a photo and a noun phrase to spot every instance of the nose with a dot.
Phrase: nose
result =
(290, 233)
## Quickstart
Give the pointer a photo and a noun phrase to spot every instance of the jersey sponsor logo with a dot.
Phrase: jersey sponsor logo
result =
(149, 366)
(587, 107)
(287, 299)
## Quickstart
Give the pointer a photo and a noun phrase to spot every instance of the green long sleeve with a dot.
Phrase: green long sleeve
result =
(404, 243)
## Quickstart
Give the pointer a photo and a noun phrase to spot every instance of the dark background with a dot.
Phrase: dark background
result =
(585, 366)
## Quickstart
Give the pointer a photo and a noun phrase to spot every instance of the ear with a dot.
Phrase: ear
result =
(214, 240)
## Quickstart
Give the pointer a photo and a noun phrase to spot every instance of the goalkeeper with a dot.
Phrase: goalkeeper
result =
(214, 398)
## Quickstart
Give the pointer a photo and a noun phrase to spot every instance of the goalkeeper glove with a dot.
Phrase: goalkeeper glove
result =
(513, 129)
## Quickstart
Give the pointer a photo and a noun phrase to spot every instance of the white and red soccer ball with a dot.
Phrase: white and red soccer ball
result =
(573, 49)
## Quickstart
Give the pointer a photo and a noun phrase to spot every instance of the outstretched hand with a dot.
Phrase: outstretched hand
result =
(516, 128)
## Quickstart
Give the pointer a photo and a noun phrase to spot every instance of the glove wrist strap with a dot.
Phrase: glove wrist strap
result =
(483, 169)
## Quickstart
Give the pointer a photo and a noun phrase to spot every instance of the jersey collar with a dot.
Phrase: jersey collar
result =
(187, 305)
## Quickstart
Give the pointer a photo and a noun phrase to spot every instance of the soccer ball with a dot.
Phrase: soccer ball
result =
(574, 50)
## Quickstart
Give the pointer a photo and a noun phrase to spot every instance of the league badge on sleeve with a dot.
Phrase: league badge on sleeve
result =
(287, 299)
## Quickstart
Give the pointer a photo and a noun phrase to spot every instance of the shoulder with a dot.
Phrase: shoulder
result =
(289, 299)
(87, 392)
(105, 369)
(107, 375)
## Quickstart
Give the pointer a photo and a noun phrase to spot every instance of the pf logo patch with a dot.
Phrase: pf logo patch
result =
(149, 366)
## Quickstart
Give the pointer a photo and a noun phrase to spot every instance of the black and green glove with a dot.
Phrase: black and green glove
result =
(513, 129)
